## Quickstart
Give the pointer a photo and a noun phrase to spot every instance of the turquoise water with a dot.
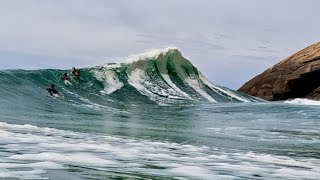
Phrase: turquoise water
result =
(156, 118)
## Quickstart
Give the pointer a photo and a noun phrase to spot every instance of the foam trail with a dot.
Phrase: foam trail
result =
(300, 101)
(109, 79)
(229, 93)
(156, 90)
(134, 79)
(168, 80)
(194, 84)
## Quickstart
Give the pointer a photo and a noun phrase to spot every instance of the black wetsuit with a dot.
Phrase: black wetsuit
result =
(65, 78)
(52, 91)
(76, 74)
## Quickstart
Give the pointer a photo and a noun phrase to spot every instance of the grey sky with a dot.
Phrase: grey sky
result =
(230, 41)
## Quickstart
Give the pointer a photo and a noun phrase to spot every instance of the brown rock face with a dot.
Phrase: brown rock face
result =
(297, 76)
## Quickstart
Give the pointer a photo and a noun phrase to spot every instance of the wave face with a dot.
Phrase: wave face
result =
(162, 77)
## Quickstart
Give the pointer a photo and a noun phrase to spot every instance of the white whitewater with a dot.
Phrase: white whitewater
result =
(45, 149)
(300, 101)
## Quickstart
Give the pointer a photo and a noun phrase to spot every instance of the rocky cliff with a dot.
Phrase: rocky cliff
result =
(297, 76)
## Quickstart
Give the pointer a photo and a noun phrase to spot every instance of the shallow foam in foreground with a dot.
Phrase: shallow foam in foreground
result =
(30, 152)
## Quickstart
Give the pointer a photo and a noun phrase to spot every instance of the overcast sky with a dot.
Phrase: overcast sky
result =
(230, 41)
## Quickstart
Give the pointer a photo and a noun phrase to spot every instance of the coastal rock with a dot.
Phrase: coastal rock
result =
(297, 76)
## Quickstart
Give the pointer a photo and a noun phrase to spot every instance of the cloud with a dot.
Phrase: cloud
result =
(236, 36)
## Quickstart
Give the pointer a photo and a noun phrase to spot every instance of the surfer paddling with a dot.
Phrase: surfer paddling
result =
(52, 90)
(75, 72)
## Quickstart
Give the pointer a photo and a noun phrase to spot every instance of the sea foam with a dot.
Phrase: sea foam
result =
(28, 152)
(300, 101)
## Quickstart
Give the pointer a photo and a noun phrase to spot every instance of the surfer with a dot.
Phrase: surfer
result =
(66, 79)
(75, 72)
(52, 91)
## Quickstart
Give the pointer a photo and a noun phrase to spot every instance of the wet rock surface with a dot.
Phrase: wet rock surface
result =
(297, 76)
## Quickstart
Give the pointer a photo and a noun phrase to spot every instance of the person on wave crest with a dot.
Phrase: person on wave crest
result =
(52, 90)
(76, 73)
(66, 79)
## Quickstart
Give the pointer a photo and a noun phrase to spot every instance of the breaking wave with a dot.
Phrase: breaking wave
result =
(162, 77)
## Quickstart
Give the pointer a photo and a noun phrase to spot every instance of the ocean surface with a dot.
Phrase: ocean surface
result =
(153, 117)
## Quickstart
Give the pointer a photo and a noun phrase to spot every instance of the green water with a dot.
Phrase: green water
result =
(156, 118)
